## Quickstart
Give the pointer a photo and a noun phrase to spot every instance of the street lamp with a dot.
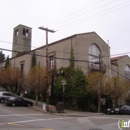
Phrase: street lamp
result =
(63, 82)
(47, 71)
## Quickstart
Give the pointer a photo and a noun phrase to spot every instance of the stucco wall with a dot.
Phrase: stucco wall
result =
(80, 44)
(121, 64)
(81, 49)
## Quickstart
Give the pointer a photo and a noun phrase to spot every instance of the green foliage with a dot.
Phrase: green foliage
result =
(76, 84)
(75, 87)
(58, 86)
(71, 58)
(2, 56)
(127, 99)
(39, 64)
(31, 95)
(33, 60)
(92, 108)
(7, 62)
(52, 97)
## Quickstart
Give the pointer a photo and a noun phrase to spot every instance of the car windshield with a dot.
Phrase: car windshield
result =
(125, 107)
(12, 98)
(8, 94)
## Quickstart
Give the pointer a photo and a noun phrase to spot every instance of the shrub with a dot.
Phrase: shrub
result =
(92, 108)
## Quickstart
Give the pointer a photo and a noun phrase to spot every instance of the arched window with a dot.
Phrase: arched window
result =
(94, 53)
(127, 71)
(94, 58)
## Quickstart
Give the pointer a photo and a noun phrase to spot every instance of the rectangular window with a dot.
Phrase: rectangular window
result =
(22, 67)
(16, 32)
(51, 62)
(25, 32)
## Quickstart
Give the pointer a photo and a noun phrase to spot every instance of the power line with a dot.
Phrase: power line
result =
(69, 60)
(84, 55)
(74, 13)
(116, 71)
(45, 56)
(121, 54)
(64, 51)
(83, 20)
(85, 12)
(17, 44)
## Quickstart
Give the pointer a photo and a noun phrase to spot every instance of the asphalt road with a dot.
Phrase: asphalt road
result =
(26, 118)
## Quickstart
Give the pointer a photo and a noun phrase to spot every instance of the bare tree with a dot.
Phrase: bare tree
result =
(35, 80)
(11, 77)
(117, 88)
(1, 78)
(95, 85)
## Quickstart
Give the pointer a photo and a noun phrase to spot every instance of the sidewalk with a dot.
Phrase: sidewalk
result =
(70, 113)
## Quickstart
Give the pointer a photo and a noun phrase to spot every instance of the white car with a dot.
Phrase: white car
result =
(4, 95)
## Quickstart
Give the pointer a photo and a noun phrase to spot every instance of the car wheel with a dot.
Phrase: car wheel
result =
(121, 113)
(2, 100)
(13, 105)
(28, 104)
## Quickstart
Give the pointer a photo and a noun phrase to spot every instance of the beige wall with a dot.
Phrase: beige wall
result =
(82, 47)
(80, 44)
(62, 50)
(121, 64)
(114, 70)
(16, 62)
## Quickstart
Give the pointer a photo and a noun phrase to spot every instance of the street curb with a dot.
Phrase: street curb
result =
(53, 113)
(38, 109)
(63, 114)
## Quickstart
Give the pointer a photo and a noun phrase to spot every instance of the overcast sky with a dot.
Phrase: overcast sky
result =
(110, 19)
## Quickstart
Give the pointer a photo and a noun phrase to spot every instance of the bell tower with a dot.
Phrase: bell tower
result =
(21, 40)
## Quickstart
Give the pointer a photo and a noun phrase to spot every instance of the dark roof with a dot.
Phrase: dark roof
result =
(118, 58)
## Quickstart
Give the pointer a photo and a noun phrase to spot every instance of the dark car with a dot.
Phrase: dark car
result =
(18, 101)
(125, 109)
(4, 95)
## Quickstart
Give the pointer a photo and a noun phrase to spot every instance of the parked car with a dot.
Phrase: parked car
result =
(18, 101)
(125, 109)
(4, 95)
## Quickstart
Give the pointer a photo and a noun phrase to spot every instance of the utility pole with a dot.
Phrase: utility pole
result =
(99, 93)
(109, 59)
(100, 63)
(47, 68)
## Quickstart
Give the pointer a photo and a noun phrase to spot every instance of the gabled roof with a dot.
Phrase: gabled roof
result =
(118, 58)
(91, 33)
(72, 37)
(60, 41)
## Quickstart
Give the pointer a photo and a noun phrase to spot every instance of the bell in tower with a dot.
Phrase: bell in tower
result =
(21, 40)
